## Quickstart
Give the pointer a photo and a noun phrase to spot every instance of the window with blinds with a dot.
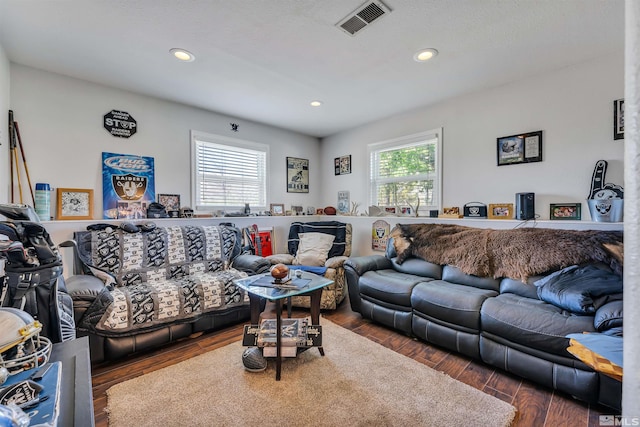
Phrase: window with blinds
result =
(406, 172)
(228, 173)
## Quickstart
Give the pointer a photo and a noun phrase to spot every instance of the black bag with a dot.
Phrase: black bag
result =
(33, 279)
(157, 210)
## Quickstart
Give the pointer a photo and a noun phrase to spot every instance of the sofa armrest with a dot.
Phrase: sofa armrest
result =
(91, 297)
(360, 265)
(608, 316)
(251, 264)
(336, 261)
(355, 268)
(83, 287)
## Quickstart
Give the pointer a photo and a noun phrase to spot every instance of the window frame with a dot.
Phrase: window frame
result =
(198, 136)
(408, 140)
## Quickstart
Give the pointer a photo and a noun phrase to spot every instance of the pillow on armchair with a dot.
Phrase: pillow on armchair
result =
(313, 249)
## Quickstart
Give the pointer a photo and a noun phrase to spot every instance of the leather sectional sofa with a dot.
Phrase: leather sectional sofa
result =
(140, 289)
(516, 324)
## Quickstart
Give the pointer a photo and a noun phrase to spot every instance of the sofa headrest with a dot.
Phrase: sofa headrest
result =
(340, 230)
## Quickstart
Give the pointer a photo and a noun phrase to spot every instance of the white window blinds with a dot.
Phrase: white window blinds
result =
(229, 173)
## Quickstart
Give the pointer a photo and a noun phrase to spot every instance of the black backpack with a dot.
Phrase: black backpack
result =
(33, 279)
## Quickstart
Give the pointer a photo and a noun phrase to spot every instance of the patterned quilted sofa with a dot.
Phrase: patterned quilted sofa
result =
(137, 291)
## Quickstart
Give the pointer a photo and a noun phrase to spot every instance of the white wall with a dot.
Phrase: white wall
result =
(573, 107)
(61, 123)
(4, 128)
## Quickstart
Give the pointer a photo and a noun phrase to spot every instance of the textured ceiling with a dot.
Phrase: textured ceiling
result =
(265, 60)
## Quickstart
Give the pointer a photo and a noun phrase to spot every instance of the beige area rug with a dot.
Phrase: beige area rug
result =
(357, 383)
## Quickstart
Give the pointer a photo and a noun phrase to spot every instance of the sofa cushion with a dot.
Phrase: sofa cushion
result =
(455, 275)
(389, 286)
(532, 323)
(313, 249)
(451, 303)
(518, 287)
(162, 253)
(580, 289)
(418, 267)
(148, 305)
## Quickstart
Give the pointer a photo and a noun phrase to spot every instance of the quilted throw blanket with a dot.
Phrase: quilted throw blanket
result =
(517, 253)
(167, 274)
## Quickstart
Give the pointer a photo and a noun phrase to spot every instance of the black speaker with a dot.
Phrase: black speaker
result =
(525, 206)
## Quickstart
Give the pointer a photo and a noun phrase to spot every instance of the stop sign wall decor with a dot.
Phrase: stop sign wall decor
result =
(120, 124)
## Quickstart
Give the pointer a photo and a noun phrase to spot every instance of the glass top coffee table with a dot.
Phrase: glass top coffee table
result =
(262, 286)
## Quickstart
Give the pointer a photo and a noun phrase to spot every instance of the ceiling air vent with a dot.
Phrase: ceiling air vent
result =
(362, 17)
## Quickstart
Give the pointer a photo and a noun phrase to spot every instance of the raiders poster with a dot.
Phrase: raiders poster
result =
(128, 185)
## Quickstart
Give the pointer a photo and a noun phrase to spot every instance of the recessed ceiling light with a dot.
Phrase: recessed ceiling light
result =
(182, 55)
(424, 55)
(315, 103)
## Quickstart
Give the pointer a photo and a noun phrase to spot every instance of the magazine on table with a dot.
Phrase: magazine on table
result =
(294, 332)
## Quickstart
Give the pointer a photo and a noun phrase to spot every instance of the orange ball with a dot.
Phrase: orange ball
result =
(279, 271)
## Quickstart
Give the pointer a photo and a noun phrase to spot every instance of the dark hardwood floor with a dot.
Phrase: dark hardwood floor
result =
(537, 406)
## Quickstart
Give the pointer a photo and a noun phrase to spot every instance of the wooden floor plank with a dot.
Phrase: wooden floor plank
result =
(564, 413)
(536, 404)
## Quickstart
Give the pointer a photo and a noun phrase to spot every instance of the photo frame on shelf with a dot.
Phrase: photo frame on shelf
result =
(342, 165)
(74, 203)
(297, 175)
(276, 209)
(522, 148)
(450, 212)
(343, 202)
(565, 211)
(170, 201)
(501, 211)
(618, 119)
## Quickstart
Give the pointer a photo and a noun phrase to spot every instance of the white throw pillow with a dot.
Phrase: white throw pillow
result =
(313, 249)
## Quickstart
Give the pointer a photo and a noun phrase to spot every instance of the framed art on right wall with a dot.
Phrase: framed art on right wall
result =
(618, 119)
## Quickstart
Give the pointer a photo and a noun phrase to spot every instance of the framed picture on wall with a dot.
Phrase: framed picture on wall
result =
(297, 175)
(342, 165)
(74, 203)
(522, 148)
(618, 119)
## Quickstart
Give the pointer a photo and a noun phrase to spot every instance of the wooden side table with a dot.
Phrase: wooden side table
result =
(313, 287)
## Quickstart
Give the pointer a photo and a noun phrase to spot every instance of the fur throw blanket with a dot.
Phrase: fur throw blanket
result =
(516, 253)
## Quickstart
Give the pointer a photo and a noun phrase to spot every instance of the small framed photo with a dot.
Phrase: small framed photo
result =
(523, 148)
(74, 203)
(501, 211)
(618, 119)
(342, 165)
(296, 210)
(451, 212)
(390, 210)
(565, 211)
(406, 210)
(170, 201)
(319, 211)
(277, 209)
